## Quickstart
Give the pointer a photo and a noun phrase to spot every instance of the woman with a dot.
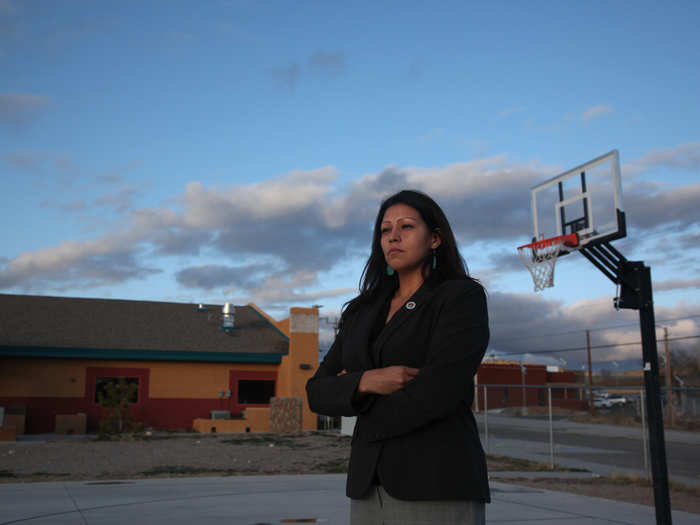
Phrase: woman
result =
(403, 362)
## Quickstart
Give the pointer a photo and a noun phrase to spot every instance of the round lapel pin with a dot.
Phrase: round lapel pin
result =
(410, 305)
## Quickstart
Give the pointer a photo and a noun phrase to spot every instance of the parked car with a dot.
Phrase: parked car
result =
(617, 400)
(608, 401)
(601, 402)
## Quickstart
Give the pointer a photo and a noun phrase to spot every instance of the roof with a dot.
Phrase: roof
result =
(120, 329)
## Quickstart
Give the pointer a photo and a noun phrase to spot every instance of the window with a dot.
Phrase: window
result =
(505, 395)
(104, 384)
(255, 391)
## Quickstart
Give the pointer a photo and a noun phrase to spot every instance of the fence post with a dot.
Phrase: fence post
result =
(551, 432)
(486, 418)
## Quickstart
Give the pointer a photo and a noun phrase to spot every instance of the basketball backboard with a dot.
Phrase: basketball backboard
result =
(586, 200)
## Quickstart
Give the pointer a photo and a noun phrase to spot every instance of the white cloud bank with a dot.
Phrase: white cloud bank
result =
(304, 222)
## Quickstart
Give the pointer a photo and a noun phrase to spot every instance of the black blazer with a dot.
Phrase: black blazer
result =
(422, 439)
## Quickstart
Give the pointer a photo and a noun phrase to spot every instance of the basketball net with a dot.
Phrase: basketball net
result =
(541, 256)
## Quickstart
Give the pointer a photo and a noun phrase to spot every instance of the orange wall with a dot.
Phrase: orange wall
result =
(284, 385)
(42, 378)
(194, 380)
(38, 377)
(303, 349)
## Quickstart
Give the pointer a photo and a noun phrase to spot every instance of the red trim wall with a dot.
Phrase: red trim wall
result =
(236, 375)
(166, 413)
(95, 412)
(157, 413)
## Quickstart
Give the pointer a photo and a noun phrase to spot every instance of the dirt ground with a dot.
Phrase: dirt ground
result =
(188, 454)
(631, 491)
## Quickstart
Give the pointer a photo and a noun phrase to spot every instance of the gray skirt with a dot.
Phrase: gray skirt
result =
(378, 508)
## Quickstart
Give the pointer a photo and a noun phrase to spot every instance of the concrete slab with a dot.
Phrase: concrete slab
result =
(564, 508)
(248, 500)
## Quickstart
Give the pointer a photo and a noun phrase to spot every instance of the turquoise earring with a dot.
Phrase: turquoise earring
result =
(434, 260)
(389, 270)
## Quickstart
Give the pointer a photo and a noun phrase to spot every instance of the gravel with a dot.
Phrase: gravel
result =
(86, 457)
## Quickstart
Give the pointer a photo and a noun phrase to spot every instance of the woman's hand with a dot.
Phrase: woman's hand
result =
(385, 381)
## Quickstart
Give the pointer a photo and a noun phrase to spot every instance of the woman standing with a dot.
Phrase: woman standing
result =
(403, 362)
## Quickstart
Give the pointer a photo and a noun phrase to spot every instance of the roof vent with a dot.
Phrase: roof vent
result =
(228, 317)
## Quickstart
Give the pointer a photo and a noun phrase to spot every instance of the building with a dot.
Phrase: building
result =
(505, 380)
(57, 354)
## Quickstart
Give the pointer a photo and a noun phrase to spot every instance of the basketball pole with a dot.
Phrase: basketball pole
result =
(634, 280)
(650, 356)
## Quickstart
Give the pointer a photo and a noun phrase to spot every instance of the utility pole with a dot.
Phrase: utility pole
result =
(591, 406)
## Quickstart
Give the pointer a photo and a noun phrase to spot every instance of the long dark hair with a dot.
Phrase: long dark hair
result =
(450, 264)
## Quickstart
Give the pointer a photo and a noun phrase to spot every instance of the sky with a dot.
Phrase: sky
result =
(237, 151)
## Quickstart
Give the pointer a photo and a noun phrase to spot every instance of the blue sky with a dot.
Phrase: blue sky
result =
(237, 151)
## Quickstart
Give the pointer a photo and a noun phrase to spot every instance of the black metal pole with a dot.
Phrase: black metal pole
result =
(634, 279)
(653, 399)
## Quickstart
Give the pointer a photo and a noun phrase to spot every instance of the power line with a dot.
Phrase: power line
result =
(583, 330)
(593, 347)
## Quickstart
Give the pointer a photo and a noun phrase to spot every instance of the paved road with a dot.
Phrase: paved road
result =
(603, 449)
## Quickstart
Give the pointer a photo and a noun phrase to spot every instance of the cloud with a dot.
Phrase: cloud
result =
(432, 134)
(18, 110)
(120, 201)
(508, 112)
(118, 176)
(279, 290)
(652, 207)
(74, 264)
(8, 25)
(73, 205)
(596, 111)
(306, 221)
(676, 284)
(690, 241)
(110, 178)
(330, 64)
(25, 161)
(505, 261)
(685, 157)
(7, 8)
(415, 69)
(210, 276)
(287, 76)
(530, 324)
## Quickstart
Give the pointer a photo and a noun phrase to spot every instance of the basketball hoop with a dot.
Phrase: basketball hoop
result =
(541, 256)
